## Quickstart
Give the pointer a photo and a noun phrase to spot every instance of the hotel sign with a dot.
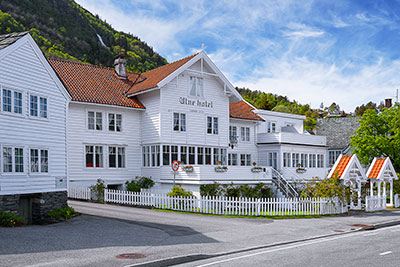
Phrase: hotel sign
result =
(196, 102)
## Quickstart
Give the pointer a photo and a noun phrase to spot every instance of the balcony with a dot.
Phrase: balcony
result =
(291, 138)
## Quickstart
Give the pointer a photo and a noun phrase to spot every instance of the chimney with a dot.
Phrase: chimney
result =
(120, 66)
(388, 102)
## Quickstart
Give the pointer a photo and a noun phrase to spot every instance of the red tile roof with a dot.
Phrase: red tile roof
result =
(151, 78)
(94, 84)
(242, 110)
(341, 166)
(376, 168)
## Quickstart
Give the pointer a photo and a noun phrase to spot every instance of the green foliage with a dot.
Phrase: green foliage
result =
(63, 29)
(98, 189)
(378, 136)
(62, 213)
(396, 185)
(258, 191)
(8, 219)
(280, 103)
(326, 188)
(139, 182)
(178, 191)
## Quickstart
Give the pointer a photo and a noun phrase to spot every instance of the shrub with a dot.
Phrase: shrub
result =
(98, 189)
(258, 191)
(138, 183)
(8, 219)
(331, 187)
(178, 191)
(211, 190)
(62, 213)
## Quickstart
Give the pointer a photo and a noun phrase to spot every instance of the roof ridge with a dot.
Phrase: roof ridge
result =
(14, 34)
(80, 63)
(176, 61)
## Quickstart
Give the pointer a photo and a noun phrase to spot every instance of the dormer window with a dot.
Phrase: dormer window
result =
(196, 86)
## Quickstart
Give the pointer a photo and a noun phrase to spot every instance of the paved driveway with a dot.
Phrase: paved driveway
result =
(104, 231)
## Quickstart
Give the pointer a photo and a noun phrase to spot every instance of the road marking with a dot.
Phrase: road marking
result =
(385, 253)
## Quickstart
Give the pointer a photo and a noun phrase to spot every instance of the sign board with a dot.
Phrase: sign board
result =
(175, 166)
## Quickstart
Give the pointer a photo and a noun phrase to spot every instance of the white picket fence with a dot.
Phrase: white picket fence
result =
(396, 201)
(229, 205)
(80, 193)
(375, 203)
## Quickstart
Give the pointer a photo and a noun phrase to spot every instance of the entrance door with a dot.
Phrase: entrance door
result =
(25, 208)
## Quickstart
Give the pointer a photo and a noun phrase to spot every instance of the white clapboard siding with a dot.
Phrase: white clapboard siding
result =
(79, 136)
(25, 70)
(150, 118)
(229, 205)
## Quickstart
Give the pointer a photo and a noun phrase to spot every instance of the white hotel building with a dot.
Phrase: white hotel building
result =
(122, 125)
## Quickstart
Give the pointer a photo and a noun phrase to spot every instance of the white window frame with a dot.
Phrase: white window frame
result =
(13, 91)
(117, 160)
(271, 127)
(115, 121)
(13, 172)
(39, 149)
(198, 88)
(245, 134)
(39, 108)
(214, 126)
(95, 120)
(182, 119)
(94, 156)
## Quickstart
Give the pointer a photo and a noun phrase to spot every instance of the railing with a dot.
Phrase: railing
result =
(375, 203)
(283, 185)
(78, 192)
(229, 205)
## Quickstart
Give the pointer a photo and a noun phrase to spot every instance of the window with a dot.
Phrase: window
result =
(232, 159)
(153, 156)
(7, 159)
(295, 160)
(245, 134)
(179, 122)
(34, 160)
(17, 102)
(286, 159)
(320, 161)
(34, 106)
(245, 159)
(223, 156)
(174, 153)
(183, 154)
(95, 120)
(192, 155)
(158, 154)
(333, 156)
(121, 157)
(165, 155)
(200, 155)
(271, 127)
(43, 107)
(208, 155)
(312, 161)
(196, 86)
(232, 133)
(303, 160)
(44, 160)
(114, 122)
(6, 100)
(216, 156)
(112, 157)
(94, 156)
(212, 125)
(273, 159)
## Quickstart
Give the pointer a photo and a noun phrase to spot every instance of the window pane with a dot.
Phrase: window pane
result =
(242, 159)
(216, 156)
(248, 160)
(17, 102)
(209, 125)
(99, 157)
(19, 160)
(183, 122)
(144, 156)
(34, 160)
(153, 156)
(192, 154)
(112, 160)
(34, 106)
(44, 161)
(7, 100)
(192, 91)
(183, 154)
(247, 134)
(208, 155)
(111, 122)
(242, 137)
(89, 157)
(43, 107)
(91, 120)
(234, 160)
(200, 155)
(223, 156)
(165, 155)
(176, 122)
(174, 153)
(121, 157)
(7, 159)
(215, 126)
(158, 155)
(199, 87)
(119, 123)
(99, 121)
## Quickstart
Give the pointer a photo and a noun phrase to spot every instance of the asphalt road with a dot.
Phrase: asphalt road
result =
(105, 231)
(369, 248)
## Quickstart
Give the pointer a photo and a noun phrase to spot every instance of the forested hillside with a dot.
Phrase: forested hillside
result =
(63, 29)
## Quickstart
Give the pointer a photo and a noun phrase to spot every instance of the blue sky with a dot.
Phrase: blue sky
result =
(346, 52)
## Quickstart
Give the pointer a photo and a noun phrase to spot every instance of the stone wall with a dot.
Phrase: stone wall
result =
(337, 130)
(42, 203)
